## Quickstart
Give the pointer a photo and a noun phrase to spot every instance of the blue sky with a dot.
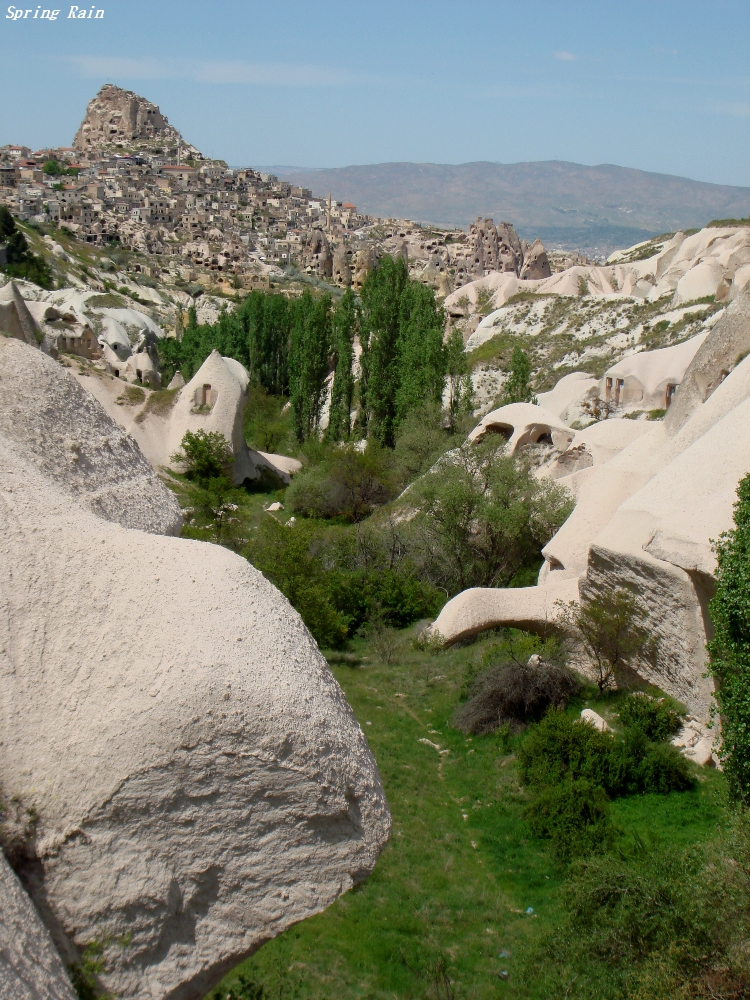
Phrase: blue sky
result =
(662, 86)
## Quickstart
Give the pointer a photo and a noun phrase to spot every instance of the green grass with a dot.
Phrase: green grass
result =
(461, 869)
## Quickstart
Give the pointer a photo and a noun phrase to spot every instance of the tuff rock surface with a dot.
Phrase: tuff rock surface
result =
(200, 780)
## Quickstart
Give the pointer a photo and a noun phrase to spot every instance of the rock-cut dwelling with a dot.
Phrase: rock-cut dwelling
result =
(648, 380)
(650, 497)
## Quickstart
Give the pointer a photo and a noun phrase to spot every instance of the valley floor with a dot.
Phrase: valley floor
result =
(463, 891)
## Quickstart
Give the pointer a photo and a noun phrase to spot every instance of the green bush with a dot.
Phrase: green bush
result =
(652, 922)
(290, 557)
(655, 718)
(730, 648)
(206, 455)
(562, 748)
(575, 816)
(347, 484)
(394, 596)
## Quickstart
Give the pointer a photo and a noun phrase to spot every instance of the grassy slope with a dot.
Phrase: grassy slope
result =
(447, 887)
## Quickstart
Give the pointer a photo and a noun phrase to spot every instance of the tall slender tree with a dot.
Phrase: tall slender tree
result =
(311, 349)
(342, 394)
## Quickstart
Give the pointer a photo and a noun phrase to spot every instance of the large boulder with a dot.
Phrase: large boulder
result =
(200, 780)
(66, 434)
(30, 968)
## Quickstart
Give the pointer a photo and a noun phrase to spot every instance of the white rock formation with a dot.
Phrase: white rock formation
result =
(30, 968)
(15, 319)
(591, 718)
(650, 498)
(649, 379)
(214, 401)
(200, 781)
(521, 424)
(64, 432)
(714, 261)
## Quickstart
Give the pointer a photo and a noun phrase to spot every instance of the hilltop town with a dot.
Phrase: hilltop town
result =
(130, 180)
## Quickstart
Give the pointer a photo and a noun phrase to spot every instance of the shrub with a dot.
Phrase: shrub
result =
(391, 594)
(348, 484)
(574, 816)
(561, 748)
(206, 455)
(289, 556)
(612, 629)
(652, 923)
(730, 648)
(655, 718)
(516, 694)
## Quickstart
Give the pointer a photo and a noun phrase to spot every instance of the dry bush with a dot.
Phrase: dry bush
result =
(515, 694)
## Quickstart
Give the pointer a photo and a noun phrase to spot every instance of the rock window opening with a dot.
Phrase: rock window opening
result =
(619, 385)
(671, 390)
(608, 389)
(206, 395)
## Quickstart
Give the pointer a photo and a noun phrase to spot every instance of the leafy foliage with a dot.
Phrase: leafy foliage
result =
(517, 388)
(730, 648)
(290, 556)
(483, 515)
(561, 748)
(613, 631)
(21, 262)
(656, 719)
(653, 922)
(349, 484)
(403, 359)
(206, 455)
(345, 324)
(575, 816)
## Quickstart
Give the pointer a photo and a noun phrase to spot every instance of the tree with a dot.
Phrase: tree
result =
(460, 389)
(21, 262)
(308, 362)
(612, 630)
(403, 359)
(342, 394)
(381, 301)
(206, 455)
(483, 515)
(517, 388)
(729, 650)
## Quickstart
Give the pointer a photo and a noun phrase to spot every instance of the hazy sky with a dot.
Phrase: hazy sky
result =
(662, 86)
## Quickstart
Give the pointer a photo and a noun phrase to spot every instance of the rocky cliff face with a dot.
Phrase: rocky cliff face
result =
(117, 117)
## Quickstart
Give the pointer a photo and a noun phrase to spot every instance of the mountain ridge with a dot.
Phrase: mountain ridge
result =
(560, 201)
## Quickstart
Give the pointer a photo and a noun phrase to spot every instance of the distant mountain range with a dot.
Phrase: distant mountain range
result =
(566, 204)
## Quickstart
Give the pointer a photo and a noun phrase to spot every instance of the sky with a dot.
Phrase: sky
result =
(661, 86)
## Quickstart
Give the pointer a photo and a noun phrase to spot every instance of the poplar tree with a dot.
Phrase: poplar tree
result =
(729, 649)
(342, 393)
(309, 354)
(518, 388)
(403, 358)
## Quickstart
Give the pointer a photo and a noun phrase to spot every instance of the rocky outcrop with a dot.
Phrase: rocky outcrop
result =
(199, 779)
(30, 968)
(650, 497)
(117, 116)
(536, 263)
(15, 318)
(213, 401)
(714, 360)
(66, 434)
